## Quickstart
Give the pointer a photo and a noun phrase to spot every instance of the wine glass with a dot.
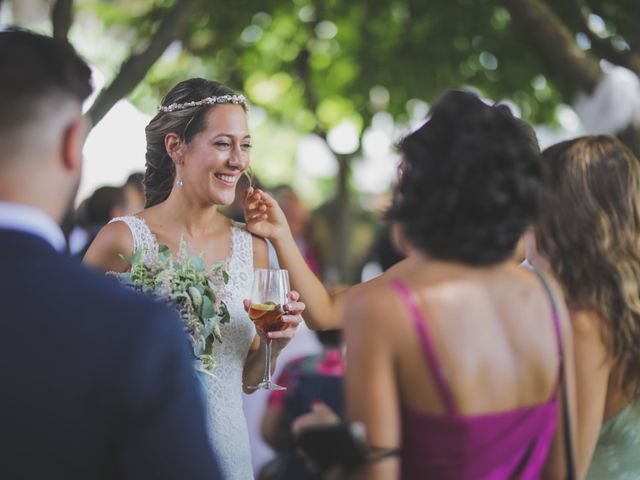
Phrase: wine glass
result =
(268, 297)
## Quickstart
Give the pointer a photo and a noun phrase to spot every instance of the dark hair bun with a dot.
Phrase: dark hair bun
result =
(470, 181)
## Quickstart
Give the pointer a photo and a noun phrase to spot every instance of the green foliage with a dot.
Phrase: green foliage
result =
(312, 63)
(184, 282)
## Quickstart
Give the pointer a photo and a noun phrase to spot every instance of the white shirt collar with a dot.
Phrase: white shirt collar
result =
(15, 216)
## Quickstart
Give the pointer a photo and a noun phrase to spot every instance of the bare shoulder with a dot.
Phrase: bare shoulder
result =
(382, 281)
(113, 240)
(399, 269)
(586, 324)
(369, 326)
(372, 303)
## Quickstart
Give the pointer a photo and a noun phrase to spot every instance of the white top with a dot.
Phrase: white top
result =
(16, 216)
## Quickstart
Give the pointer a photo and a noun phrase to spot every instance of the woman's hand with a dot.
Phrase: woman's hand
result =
(292, 317)
(264, 216)
(320, 415)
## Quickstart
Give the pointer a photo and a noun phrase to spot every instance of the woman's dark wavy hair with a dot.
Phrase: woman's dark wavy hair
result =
(590, 234)
(470, 180)
(160, 171)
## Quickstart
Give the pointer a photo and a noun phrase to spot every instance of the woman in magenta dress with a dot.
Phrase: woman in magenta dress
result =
(457, 361)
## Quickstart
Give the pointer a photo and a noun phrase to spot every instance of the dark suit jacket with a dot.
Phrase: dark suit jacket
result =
(95, 380)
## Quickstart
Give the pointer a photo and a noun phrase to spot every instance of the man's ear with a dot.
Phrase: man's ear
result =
(174, 146)
(73, 139)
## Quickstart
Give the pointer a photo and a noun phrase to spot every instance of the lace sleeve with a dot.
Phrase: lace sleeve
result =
(143, 237)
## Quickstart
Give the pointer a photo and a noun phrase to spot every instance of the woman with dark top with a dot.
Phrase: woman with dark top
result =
(309, 380)
(457, 360)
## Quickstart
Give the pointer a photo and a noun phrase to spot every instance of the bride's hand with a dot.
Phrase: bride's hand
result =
(293, 317)
(264, 216)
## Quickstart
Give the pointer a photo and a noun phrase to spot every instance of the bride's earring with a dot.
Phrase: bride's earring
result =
(179, 182)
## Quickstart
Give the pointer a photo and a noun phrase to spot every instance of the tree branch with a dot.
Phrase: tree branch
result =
(61, 18)
(554, 41)
(134, 69)
(603, 46)
(634, 36)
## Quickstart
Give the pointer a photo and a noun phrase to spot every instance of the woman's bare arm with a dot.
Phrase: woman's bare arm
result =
(593, 368)
(106, 252)
(371, 384)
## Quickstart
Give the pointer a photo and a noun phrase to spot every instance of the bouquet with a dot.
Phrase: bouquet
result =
(184, 282)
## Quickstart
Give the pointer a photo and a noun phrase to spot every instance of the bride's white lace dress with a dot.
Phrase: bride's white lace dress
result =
(226, 422)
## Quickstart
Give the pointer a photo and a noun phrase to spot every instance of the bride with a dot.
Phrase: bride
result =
(197, 148)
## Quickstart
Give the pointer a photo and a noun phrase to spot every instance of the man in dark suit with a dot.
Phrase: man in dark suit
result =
(95, 381)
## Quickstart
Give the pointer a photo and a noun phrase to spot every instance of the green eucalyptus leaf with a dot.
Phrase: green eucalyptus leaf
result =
(207, 308)
(211, 295)
(198, 346)
(196, 298)
(183, 281)
(197, 262)
(209, 325)
(137, 256)
(225, 317)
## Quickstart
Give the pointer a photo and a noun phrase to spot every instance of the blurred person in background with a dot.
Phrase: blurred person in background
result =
(105, 204)
(298, 216)
(133, 189)
(309, 379)
(77, 229)
(96, 380)
(587, 235)
(382, 256)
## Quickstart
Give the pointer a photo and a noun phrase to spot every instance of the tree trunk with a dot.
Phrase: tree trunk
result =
(556, 45)
(61, 18)
(603, 46)
(341, 222)
(555, 42)
(134, 69)
(631, 138)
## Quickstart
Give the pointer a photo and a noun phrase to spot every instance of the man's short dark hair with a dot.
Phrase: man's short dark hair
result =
(36, 68)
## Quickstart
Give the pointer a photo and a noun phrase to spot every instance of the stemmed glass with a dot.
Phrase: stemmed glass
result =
(268, 297)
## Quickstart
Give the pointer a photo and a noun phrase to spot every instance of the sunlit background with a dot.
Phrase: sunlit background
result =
(295, 143)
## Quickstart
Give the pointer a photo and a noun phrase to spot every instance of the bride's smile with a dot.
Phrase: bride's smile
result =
(210, 163)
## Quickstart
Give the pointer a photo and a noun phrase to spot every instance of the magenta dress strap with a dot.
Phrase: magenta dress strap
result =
(427, 345)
